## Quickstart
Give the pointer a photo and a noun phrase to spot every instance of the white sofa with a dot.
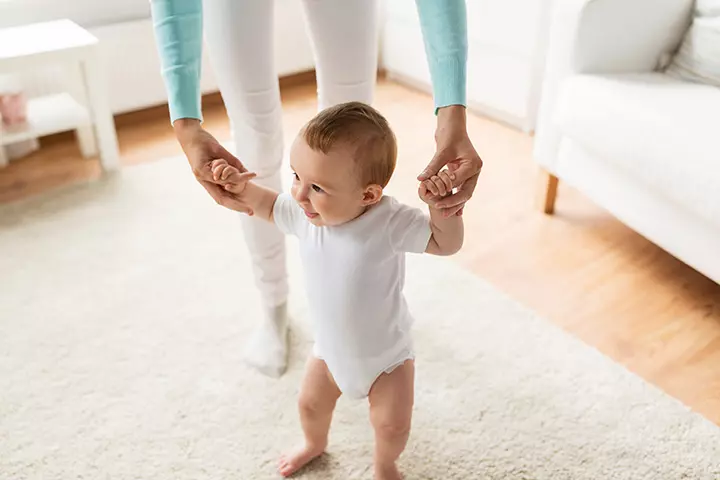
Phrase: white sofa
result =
(637, 142)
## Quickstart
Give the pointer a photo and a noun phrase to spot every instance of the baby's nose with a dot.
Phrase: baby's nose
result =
(301, 194)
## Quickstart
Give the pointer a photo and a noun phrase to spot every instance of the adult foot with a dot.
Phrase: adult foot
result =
(266, 350)
(293, 461)
(387, 472)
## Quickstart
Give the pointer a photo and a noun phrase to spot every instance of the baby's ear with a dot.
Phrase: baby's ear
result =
(372, 194)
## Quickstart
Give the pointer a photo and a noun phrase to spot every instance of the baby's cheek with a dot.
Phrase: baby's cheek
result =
(324, 204)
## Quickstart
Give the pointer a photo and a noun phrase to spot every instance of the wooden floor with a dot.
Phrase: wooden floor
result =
(580, 268)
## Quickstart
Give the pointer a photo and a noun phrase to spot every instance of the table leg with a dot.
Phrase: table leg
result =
(86, 140)
(4, 160)
(100, 113)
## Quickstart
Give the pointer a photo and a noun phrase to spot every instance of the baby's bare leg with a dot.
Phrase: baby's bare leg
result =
(318, 396)
(391, 403)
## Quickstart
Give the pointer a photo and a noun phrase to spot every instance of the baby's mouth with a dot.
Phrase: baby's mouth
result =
(310, 214)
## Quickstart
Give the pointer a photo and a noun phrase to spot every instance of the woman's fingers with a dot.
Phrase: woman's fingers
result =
(462, 196)
(439, 160)
(224, 198)
(219, 151)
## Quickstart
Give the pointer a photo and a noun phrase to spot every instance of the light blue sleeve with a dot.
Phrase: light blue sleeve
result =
(444, 27)
(178, 32)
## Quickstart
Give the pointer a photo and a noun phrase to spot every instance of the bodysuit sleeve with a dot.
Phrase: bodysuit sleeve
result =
(288, 216)
(408, 228)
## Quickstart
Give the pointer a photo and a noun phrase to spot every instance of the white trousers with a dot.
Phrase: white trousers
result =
(239, 35)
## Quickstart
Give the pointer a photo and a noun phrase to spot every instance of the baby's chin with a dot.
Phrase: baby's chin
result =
(319, 221)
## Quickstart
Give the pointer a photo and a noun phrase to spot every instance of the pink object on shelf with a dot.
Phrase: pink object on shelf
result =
(13, 108)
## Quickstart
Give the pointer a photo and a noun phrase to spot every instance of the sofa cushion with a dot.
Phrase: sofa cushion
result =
(698, 59)
(660, 130)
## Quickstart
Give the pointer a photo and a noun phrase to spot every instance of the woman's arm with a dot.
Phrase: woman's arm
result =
(444, 27)
(178, 32)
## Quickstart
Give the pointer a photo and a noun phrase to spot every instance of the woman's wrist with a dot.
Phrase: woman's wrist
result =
(451, 122)
(185, 128)
(452, 113)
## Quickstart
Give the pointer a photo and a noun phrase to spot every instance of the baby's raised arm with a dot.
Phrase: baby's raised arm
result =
(240, 192)
(447, 232)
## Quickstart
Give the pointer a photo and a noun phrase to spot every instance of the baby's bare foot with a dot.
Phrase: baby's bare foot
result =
(387, 472)
(293, 461)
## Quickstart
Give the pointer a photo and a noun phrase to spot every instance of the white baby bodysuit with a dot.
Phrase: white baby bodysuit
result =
(354, 275)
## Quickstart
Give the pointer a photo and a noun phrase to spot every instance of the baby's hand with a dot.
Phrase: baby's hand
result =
(436, 187)
(230, 177)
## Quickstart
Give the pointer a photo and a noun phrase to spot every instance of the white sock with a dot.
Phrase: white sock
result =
(266, 349)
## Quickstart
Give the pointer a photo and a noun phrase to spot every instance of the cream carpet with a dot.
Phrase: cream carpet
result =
(123, 308)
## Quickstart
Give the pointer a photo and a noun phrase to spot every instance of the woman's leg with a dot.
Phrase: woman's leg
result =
(239, 35)
(345, 43)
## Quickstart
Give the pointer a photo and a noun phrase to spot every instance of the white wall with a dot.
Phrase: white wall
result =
(505, 49)
(87, 13)
(129, 53)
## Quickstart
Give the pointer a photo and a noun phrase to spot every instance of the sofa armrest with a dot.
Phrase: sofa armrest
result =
(603, 36)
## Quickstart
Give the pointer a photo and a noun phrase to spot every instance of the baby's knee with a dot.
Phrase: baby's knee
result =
(309, 404)
(392, 428)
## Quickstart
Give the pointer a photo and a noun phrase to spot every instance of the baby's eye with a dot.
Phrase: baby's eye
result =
(317, 189)
(295, 176)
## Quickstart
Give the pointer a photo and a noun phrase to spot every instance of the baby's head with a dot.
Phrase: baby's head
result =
(342, 159)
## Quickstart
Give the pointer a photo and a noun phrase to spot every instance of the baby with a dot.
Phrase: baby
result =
(353, 241)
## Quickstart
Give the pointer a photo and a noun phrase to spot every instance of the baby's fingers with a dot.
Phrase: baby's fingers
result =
(219, 170)
(238, 181)
(241, 178)
(439, 185)
(217, 166)
(217, 162)
(447, 178)
(431, 186)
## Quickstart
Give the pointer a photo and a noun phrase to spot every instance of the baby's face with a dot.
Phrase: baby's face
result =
(327, 186)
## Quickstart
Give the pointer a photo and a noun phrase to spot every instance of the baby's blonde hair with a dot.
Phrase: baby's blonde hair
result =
(361, 127)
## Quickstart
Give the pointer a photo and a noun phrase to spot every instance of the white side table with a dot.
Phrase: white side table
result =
(64, 42)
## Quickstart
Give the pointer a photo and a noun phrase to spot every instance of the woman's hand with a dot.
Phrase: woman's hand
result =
(455, 150)
(201, 149)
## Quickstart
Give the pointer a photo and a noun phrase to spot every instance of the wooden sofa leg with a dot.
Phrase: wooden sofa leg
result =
(547, 191)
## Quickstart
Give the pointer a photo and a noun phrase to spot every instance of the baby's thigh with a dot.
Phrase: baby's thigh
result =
(318, 390)
(391, 398)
